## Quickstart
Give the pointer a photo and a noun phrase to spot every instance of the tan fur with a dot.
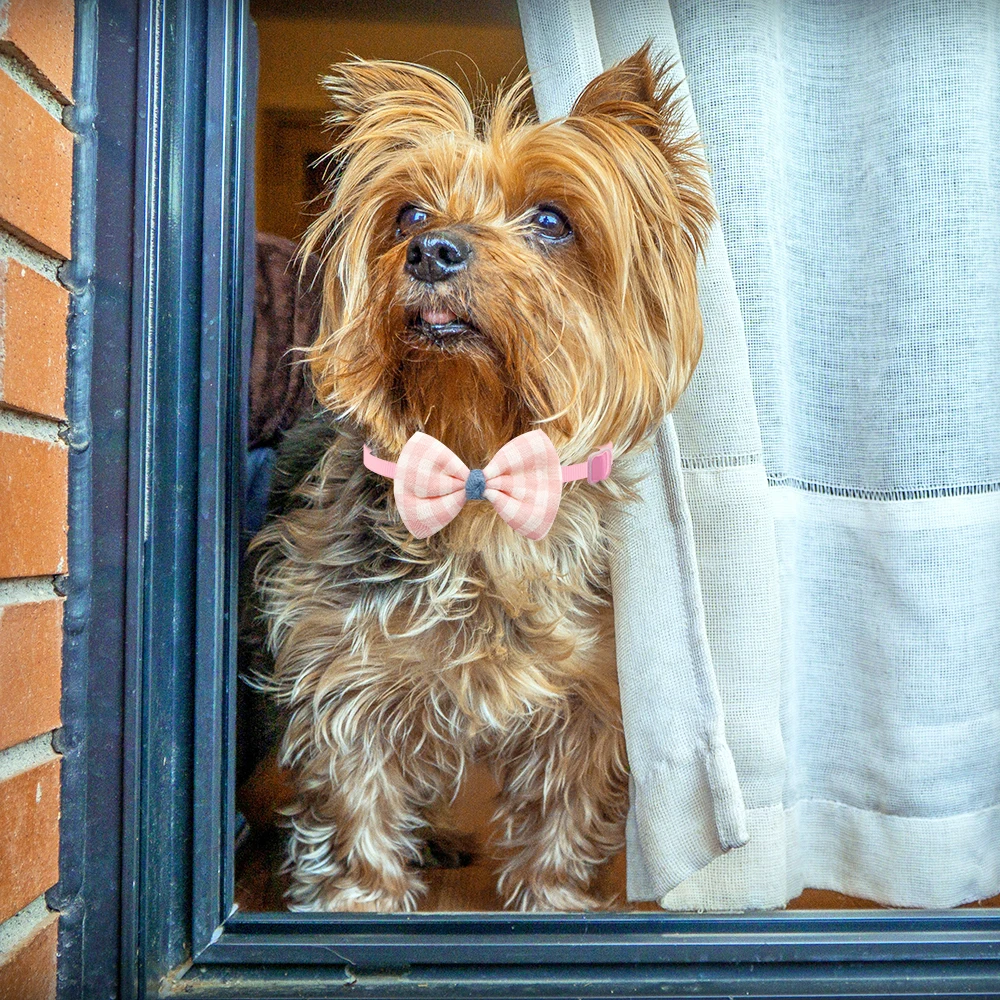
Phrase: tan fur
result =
(402, 660)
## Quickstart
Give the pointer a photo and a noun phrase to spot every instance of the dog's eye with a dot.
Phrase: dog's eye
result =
(550, 223)
(409, 218)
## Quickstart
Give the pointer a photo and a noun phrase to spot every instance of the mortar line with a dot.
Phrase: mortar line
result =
(29, 425)
(26, 79)
(24, 756)
(27, 590)
(41, 263)
(18, 927)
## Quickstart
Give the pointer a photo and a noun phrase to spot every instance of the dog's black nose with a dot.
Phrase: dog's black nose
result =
(437, 255)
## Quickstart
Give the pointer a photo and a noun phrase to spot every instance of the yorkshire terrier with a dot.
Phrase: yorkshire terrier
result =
(492, 284)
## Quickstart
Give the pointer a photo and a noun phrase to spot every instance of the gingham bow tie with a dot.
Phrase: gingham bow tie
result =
(523, 481)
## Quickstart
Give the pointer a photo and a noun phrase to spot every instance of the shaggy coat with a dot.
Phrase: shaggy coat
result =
(574, 310)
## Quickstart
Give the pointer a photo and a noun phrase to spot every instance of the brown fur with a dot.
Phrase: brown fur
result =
(400, 660)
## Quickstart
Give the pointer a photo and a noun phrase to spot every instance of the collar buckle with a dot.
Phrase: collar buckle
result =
(599, 465)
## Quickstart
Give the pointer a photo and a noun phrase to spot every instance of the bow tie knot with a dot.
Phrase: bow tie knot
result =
(523, 481)
(475, 485)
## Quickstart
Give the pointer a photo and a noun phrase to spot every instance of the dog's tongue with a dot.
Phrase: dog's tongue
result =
(437, 317)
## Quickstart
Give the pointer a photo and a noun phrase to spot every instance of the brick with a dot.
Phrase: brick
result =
(39, 33)
(36, 171)
(28, 970)
(29, 836)
(33, 497)
(30, 669)
(33, 314)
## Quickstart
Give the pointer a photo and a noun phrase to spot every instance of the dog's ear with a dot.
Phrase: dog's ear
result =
(632, 91)
(394, 103)
(380, 108)
(637, 93)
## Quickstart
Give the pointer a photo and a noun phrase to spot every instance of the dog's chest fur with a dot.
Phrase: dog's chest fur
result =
(475, 628)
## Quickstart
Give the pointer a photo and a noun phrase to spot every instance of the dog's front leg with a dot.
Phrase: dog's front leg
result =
(354, 842)
(563, 800)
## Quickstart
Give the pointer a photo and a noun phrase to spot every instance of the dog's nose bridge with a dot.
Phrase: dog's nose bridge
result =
(437, 255)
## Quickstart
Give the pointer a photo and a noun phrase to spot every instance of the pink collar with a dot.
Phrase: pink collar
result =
(596, 469)
(523, 481)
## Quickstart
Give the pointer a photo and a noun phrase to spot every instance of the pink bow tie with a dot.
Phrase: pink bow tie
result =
(523, 481)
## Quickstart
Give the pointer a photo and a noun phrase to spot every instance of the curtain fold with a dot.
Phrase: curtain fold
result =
(687, 807)
(837, 453)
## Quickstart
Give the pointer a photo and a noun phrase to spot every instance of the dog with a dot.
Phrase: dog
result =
(493, 287)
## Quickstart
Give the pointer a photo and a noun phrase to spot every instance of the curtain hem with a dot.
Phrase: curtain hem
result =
(907, 861)
(700, 803)
(931, 862)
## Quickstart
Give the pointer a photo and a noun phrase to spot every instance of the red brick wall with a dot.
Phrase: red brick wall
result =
(36, 164)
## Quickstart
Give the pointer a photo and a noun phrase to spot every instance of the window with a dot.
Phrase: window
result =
(174, 88)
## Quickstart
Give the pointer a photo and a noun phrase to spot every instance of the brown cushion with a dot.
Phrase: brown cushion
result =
(286, 319)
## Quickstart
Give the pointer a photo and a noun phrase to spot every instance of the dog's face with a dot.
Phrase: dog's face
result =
(482, 281)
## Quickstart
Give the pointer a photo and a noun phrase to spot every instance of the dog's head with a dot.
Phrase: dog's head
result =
(485, 277)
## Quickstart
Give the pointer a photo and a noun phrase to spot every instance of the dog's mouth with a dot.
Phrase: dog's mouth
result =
(440, 327)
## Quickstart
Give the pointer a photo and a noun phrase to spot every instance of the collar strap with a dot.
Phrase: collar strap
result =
(379, 465)
(594, 470)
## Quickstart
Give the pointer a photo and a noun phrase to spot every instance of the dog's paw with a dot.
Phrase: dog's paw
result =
(555, 898)
(340, 896)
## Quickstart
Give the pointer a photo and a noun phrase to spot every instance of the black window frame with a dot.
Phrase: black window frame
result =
(160, 229)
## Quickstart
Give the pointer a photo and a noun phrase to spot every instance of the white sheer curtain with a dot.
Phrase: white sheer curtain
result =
(852, 306)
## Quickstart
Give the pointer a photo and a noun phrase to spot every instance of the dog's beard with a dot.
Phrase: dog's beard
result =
(433, 360)
(460, 390)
